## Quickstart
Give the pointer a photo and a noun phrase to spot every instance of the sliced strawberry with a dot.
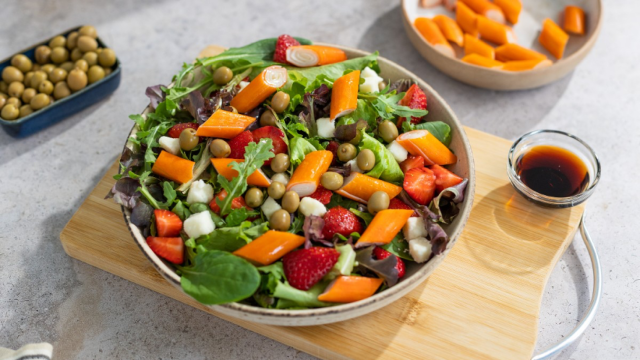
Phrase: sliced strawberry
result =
(321, 194)
(236, 203)
(283, 43)
(412, 162)
(167, 223)
(339, 220)
(397, 204)
(414, 98)
(238, 143)
(333, 147)
(177, 129)
(277, 137)
(420, 184)
(381, 254)
(444, 178)
(168, 248)
(304, 268)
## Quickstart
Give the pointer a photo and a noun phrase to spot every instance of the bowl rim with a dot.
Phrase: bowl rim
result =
(414, 280)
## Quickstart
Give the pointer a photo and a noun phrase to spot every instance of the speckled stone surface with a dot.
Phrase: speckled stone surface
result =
(89, 314)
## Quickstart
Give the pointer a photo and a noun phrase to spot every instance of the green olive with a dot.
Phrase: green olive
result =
(28, 94)
(58, 74)
(280, 220)
(3, 100)
(188, 139)
(72, 40)
(331, 180)
(22, 62)
(82, 65)
(61, 90)
(95, 73)
(356, 140)
(10, 112)
(366, 160)
(220, 148)
(35, 67)
(46, 68)
(14, 101)
(67, 66)
(99, 51)
(15, 89)
(268, 118)
(253, 197)
(89, 31)
(59, 55)
(39, 101)
(76, 54)
(38, 77)
(388, 131)
(25, 110)
(11, 74)
(107, 58)
(280, 163)
(382, 85)
(58, 41)
(86, 43)
(3, 86)
(45, 87)
(77, 79)
(347, 152)
(27, 78)
(280, 102)
(378, 201)
(290, 201)
(91, 58)
(222, 75)
(43, 53)
(276, 190)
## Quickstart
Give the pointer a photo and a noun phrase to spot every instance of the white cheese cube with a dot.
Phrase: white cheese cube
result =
(420, 249)
(243, 84)
(282, 178)
(354, 166)
(326, 127)
(370, 85)
(310, 206)
(199, 224)
(170, 144)
(200, 192)
(399, 153)
(269, 207)
(368, 73)
(414, 228)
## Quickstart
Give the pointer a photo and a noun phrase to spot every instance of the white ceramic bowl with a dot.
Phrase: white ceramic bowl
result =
(415, 273)
(527, 31)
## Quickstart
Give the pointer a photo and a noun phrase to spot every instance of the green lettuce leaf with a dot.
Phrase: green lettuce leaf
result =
(386, 167)
(298, 148)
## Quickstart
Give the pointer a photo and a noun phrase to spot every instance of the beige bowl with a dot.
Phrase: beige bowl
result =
(415, 273)
(527, 31)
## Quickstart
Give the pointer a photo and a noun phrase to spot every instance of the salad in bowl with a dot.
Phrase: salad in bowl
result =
(294, 184)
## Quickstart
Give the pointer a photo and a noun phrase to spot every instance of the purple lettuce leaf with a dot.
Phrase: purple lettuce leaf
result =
(385, 268)
(344, 170)
(312, 229)
(155, 95)
(400, 86)
(192, 103)
(446, 205)
(124, 192)
(349, 132)
(437, 236)
(141, 216)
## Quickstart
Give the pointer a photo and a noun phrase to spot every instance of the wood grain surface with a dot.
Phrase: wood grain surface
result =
(481, 303)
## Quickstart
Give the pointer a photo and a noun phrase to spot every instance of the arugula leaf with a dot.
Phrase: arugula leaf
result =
(439, 129)
(181, 210)
(167, 188)
(365, 216)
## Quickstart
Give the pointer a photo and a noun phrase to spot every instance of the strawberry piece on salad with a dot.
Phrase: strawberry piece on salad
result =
(284, 42)
(381, 254)
(415, 98)
(420, 184)
(277, 137)
(236, 203)
(321, 194)
(168, 248)
(339, 220)
(168, 224)
(177, 129)
(238, 143)
(397, 204)
(444, 178)
(412, 162)
(304, 268)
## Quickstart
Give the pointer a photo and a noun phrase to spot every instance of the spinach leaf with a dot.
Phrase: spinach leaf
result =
(337, 200)
(231, 238)
(439, 129)
(399, 247)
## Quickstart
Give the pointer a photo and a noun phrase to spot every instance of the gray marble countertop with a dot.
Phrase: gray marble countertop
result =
(87, 313)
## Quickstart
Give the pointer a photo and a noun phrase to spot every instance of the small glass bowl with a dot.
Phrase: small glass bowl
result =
(563, 140)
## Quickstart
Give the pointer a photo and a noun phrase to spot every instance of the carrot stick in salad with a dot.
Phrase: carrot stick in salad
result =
(574, 20)
(467, 19)
(306, 177)
(495, 31)
(479, 60)
(260, 88)
(523, 65)
(450, 29)
(224, 124)
(486, 8)
(431, 32)
(258, 178)
(269, 247)
(344, 95)
(384, 227)
(553, 38)
(314, 55)
(513, 52)
(346, 289)
(173, 167)
(423, 143)
(510, 8)
(473, 45)
(360, 187)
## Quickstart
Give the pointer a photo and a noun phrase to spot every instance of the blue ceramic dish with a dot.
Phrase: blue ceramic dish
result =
(65, 107)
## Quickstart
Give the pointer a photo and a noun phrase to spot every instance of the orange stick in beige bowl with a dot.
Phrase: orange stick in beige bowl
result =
(486, 8)
(258, 178)
(431, 32)
(306, 177)
(480, 60)
(467, 19)
(574, 20)
(553, 38)
(523, 65)
(495, 32)
(423, 143)
(360, 187)
(384, 227)
(510, 8)
(173, 167)
(314, 55)
(346, 289)
(473, 45)
(260, 88)
(344, 95)
(224, 124)
(450, 29)
(269, 247)
(515, 52)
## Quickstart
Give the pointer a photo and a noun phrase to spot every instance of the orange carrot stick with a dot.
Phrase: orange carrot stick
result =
(495, 32)
(346, 289)
(553, 38)
(480, 60)
(574, 20)
(384, 227)
(224, 124)
(360, 187)
(474, 45)
(512, 52)
(306, 177)
(258, 178)
(173, 167)
(432, 34)
(260, 88)
(269, 247)
(314, 55)
(423, 143)
(523, 65)
(510, 8)
(486, 8)
(344, 95)
(450, 29)
(467, 19)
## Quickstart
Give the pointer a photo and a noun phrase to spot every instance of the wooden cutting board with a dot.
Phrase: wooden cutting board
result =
(482, 302)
